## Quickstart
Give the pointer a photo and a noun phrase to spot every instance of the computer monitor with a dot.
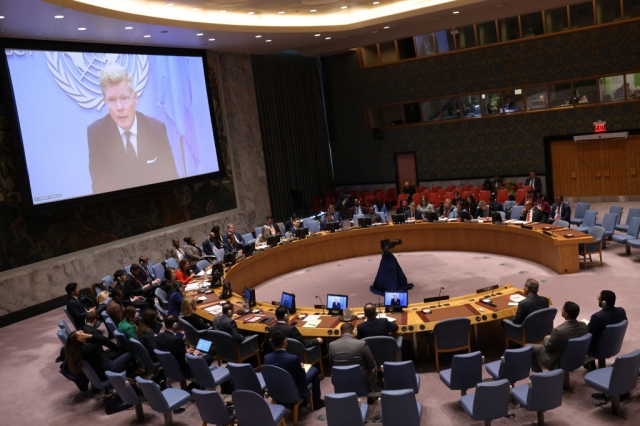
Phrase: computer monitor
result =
(288, 300)
(397, 218)
(249, 296)
(331, 226)
(230, 257)
(337, 303)
(432, 217)
(301, 233)
(248, 249)
(364, 222)
(272, 240)
(395, 300)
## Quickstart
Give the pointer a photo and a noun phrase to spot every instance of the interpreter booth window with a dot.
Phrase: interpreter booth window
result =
(388, 52)
(425, 44)
(491, 103)
(631, 9)
(393, 115)
(532, 24)
(581, 15)
(509, 29)
(412, 113)
(632, 86)
(607, 11)
(487, 33)
(555, 20)
(450, 108)
(585, 92)
(466, 37)
(611, 88)
(470, 105)
(369, 55)
(537, 97)
(512, 101)
(406, 48)
(561, 95)
(376, 117)
(430, 110)
(444, 41)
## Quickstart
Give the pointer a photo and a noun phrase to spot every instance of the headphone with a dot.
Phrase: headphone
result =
(603, 304)
(175, 326)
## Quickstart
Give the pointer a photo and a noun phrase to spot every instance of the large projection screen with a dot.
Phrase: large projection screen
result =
(95, 123)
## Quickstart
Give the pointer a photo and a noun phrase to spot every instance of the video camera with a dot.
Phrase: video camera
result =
(387, 244)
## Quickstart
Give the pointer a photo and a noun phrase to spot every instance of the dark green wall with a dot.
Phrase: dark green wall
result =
(511, 145)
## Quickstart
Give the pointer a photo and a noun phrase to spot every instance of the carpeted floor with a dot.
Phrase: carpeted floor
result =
(34, 392)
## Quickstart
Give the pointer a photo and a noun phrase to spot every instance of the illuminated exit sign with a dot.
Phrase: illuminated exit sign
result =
(599, 126)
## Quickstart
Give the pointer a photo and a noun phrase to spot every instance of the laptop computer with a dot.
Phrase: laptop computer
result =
(204, 345)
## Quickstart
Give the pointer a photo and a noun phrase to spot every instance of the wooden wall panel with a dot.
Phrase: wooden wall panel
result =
(588, 169)
(615, 177)
(633, 164)
(563, 157)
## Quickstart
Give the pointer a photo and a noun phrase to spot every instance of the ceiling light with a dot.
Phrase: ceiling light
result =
(317, 35)
(250, 13)
(313, 10)
(194, 8)
(223, 11)
(59, 16)
(146, 36)
(128, 28)
(344, 7)
(268, 41)
(281, 12)
(376, 2)
(212, 39)
(385, 28)
(456, 12)
(1, 17)
(258, 36)
(200, 34)
(169, 4)
(81, 29)
(327, 38)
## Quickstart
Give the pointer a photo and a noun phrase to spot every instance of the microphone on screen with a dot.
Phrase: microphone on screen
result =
(321, 304)
(439, 293)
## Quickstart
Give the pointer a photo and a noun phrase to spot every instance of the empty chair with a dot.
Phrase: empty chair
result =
(578, 216)
(283, 390)
(111, 326)
(212, 408)
(162, 297)
(632, 214)
(610, 342)
(465, 372)
(126, 392)
(127, 268)
(616, 211)
(384, 348)
(62, 325)
(245, 377)
(314, 226)
(171, 367)
(542, 393)
(516, 211)
(450, 335)
(608, 223)
(597, 232)
(94, 379)
(165, 401)
(348, 378)
(343, 409)
(514, 365)
(401, 375)
(588, 222)
(632, 233)
(616, 380)
(573, 356)
(158, 269)
(219, 255)
(310, 355)
(400, 408)
(204, 375)
(63, 336)
(204, 263)
(253, 410)
(144, 356)
(561, 223)
(172, 263)
(532, 330)
(108, 280)
(489, 402)
(228, 350)
(190, 332)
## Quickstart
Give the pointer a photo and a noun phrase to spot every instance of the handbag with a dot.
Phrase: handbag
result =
(114, 404)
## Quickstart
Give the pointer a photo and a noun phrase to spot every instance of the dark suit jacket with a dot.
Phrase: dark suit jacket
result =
(197, 322)
(554, 344)
(417, 215)
(98, 337)
(537, 215)
(131, 287)
(292, 364)
(395, 302)
(530, 304)
(228, 247)
(169, 342)
(291, 332)
(208, 247)
(226, 324)
(335, 305)
(537, 184)
(376, 327)
(77, 312)
(109, 165)
(600, 320)
(565, 212)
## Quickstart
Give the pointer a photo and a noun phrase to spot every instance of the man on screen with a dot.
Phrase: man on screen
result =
(395, 300)
(336, 304)
(126, 148)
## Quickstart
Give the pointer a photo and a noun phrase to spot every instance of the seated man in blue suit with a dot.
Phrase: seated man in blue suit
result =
(375, 326)
(292, 364)
(559, 211)
(331, 216)
(609, 314)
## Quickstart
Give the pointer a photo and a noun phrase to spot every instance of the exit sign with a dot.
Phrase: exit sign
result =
(599, 126)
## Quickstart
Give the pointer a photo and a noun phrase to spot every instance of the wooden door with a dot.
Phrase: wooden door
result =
(588, 169)
(563, 154)
(406, 169)
(633, 165)
(615, 177)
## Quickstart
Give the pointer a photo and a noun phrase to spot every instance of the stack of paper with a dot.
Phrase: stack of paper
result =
(312, 324)
(312, 318)
(191, 287)
(214, 310)
(517, 298)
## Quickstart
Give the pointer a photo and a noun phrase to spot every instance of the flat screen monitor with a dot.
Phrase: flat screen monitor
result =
(331, 226)
(246, 296)
(301, 233)
(248, 249)
(288, 300)
(395, 299)
(337, 303)
(272, 240)
(364, 222)
(230, 257)
(397, 218)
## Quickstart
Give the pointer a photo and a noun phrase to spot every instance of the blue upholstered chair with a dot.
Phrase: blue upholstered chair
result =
(514, 365)
(204, 263)
(219, 255)
(191, 334)
(228, 350)
(245, 377)
(578, 216)
(608, 223)
(212, 408)
(310, 355)
(257, 231)
(172, 263)
(314, 226)
(450, 335)
(610, 342)
(465, 372)
(162, 297)
(542, 393)
(95, 381)
(384, 349)
(588, 222)
(253, 410)
(489, 402)
(123, 342)
(574, 355)
(111, 326)
(632, 233)
(597, 232)
(108, 280)
(204, 375)
(63, 336)
(343, 409)
(348, 378)
(532, 330)
(141, 352)
(62, 325)
(516, 211)
(401, 375)
(165, 401)
(400, 408)
(624, 227)
(66, 311)
(127, 268)
(561, 223)
(617, 212)
(126, 392)
(283, 390)
(614, 381)
(171, 367)
(163, 313)
(633, 243)
(248, 238)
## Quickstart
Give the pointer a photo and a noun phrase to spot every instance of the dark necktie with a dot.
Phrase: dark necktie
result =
(131, 153)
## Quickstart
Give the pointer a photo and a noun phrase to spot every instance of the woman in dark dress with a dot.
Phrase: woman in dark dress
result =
(188, 311)
(146, 332)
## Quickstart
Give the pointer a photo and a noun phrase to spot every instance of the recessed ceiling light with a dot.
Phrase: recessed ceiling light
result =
(327, 38)
(258, 36)
(268, 41)
(223, 11)
(128, 28)
(200, 34)
(281, 12)
(456, 12)
(385, 28)
(169, 4)
(344, 7)
(81, 29)
(59, 16)
(212, 39)
(313, 10)
(376, 2)
(146, 36)
(250, 13)
(194, 8)
(317, 35)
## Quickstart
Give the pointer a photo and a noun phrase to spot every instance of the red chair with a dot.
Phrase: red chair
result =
(369, 201)
(451, 188)
(466, 187)
(420, 189)
(328, 200)
(502, 196)
(484, 195)
(416, 198)
(448, 195)
(317, 204)
(519, 184)
(391, 196)
(441, 193)
(365, 193)
(433, 199)
(426, 193)
(476, 193)
(436, 188)
(400, 198)
(375, 191)
(520, 195)
(464, 194)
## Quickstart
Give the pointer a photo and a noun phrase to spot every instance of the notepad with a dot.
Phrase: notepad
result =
(312, 324)
(191, 287)
(513, 304)
(306, 367)
(214, 310)
(312, 318)
(202, 298)
(516, 298)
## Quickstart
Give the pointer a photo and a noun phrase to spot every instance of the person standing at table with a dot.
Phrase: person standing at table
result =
(534, 181)
(531, 303)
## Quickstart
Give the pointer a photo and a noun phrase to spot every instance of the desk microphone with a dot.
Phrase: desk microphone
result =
(440, 292)
(321, 304)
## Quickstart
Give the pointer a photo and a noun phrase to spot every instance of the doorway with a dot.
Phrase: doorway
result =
(406, 169)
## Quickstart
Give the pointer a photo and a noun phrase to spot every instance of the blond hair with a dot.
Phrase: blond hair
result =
(188, 306)
(112, 74)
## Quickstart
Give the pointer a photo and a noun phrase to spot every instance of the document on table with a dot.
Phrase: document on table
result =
(312, 324)
(199, 274)
(312, 318)
(191, 287)
(517, 298)
(214, 310)
(391, 319)
(202, 298)
(513, 304)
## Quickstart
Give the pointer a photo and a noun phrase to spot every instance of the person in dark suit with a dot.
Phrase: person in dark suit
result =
(75, 308)
(126, 148)
(403, 208)
(292, 364)
(223, 322)
(531, 303)
(336, 304)
(134, 286)
(395, 301)
(547, 354)
(409, 190)
(375, 326)
(147, 274)
(168, 341)
(412, 213)
(218, 241)
(494, 206)
(290, 331)
(209, 245)
(347, 350)
(529, 197)
(233, 241)
(356, 209)
(534, 181)
(609, 314)
(97, 337)
(531, 214)
(559, 210)
(193, 253)
(273, 227)
(331, 216)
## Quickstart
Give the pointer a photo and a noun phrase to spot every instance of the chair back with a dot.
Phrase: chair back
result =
(211, 407)
(546, 390)
(162, 312)
(190, 331)
(314, 226)
(491, 400)
(141, 352)
(252, 409)
(172, 263)
(91, 374)
(561, 223)
(281, 386)
(108, 280)
(617, 210)
(539, 324)
(200, 370)
(123, 341)
(611, 340)
(127, 269)
(153, 395)
(355, 219)
(516, 211)
(466, 371)
(66, 311)
(581, 210)
(204, 263)
(609, 223)
(257, 230)
(162, 296)
(296, 348)
(111, 326)
(123, 387)
(597, 232)
(219, 255)
(589, 218)
(399, 407)
(348, 378)
(383, 348)
(170, 366)
(452, 333)
(62, 325)
(516, 365)
(63, 336)
(158, 269)
(574, 353)
(633, 213)
(624, 375)
(226, 347)
(244, 377)
(634, 227)
(400, 375)
(343, 409)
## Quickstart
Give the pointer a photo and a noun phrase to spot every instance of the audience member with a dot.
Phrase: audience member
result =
(184, 274)
(412, 213)
(273, 227)
(168, 341)
(356, 209)
(218, 241)
(544, 207)
(531, 214)
(74, 307)
(403, 207)
(534, 181)
(331, 216)
(409, 190)
(425, 207)
(487, 185)
(128, 324)
(375, 326)
(134, 287)
(147, 275)
(233, 241)
(115, 308)
(176, 296)
(531, 303)
(188, 312)
(560, 210)
(347, 350)
(176, 251)
(223, 322)
(288, 224)
(290, 331)
(379, 207)
(192, 252)
(97, 337)
(456, 198)
(483, 209)
(169, 279)
(145, 333)
(494, 206)
(529, 197)
(472, 206)
(607, 315)
(209, 245)
(80, 349)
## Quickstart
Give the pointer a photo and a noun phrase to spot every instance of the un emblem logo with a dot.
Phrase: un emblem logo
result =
(77, 73)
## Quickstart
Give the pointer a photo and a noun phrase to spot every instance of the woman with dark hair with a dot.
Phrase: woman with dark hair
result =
(146, 332)
(184, 274)
(472, 205)
(115, 308)
(176, 296)
(379, 207)
(218, 242)
(544, 206)
(128, 324)
(192, 251)
(188, 312)
(168, 279)
(79, 349)
(425, 207)
(487, 185)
